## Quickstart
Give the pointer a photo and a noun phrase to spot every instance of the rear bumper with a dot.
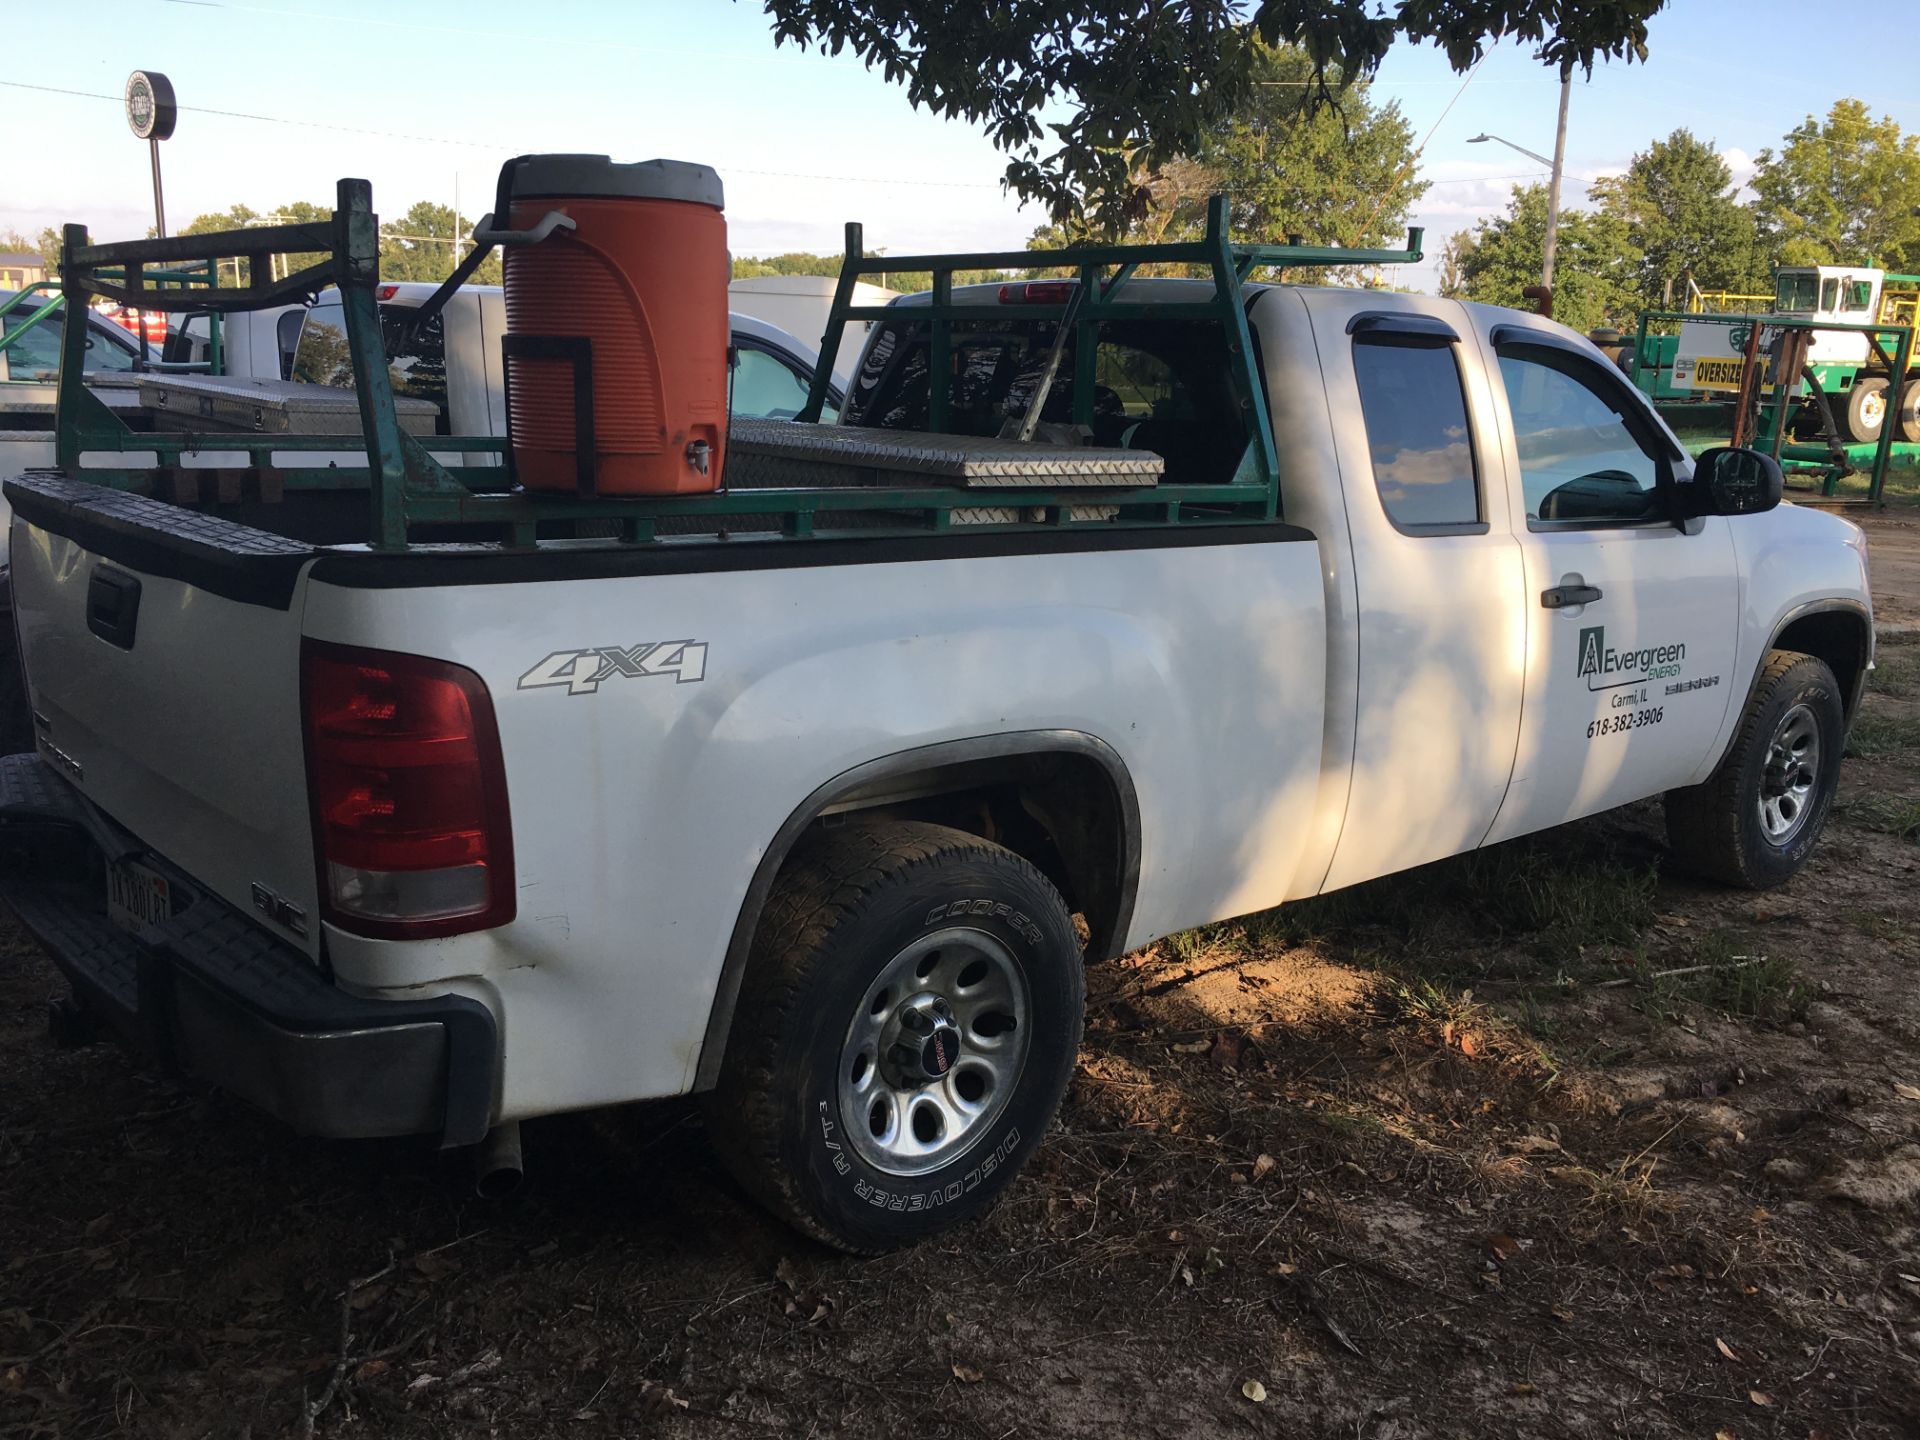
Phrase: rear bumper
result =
(210, 994)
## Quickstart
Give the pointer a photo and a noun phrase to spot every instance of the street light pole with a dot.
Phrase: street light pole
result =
(1553, 186)
(1557, 165)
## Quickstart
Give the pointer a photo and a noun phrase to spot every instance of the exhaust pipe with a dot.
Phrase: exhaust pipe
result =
(497, 1170)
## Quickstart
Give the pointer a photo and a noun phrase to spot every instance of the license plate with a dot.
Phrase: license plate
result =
(136, 896)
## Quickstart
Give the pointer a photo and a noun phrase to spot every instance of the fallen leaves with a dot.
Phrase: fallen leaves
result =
(1906, 1091)
(1254, 1391)
(1263, 1166)
(967, 1374)
(1725, 1349)
(1759, 1397)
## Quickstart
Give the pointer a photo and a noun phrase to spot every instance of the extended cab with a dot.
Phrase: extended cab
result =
(822, 811)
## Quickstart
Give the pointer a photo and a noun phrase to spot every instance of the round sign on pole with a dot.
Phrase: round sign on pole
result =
(150, 108)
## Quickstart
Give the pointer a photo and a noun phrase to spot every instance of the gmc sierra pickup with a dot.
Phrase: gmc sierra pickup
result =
(826, 826)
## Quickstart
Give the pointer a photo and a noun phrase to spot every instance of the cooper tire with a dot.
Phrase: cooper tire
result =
(868, 930)
(1753, 823)
(1867, 408)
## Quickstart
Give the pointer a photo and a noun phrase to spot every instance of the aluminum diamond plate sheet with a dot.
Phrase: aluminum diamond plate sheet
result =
(785, 452)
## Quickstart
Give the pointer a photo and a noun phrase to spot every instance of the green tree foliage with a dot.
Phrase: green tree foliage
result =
(47, 246)
(1677, 202)
(419, 246)
(1596, 269)
(1288, 168)
(1844, 191)
(1137, 85)
(1454, 256)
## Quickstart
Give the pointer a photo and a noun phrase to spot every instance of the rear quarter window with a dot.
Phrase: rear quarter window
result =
(416, 362)
(1415, 409)
(1162, 386)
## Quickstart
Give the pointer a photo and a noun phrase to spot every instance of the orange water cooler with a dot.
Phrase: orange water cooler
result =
(617, 331)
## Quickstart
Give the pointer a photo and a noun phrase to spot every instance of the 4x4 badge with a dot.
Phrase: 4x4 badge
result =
(583, 671)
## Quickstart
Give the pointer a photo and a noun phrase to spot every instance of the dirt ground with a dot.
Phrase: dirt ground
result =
(1543, 1141)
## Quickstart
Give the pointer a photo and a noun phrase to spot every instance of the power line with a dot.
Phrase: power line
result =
(493, 146)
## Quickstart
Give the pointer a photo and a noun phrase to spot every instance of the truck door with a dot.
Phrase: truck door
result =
(1437, 577)
(1631, 617)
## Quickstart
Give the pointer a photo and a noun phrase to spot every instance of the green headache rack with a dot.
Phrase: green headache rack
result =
(411, 489)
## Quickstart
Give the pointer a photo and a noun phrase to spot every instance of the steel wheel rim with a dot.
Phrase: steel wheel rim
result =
(1791, 775)
(1873, 406)
(958, 996)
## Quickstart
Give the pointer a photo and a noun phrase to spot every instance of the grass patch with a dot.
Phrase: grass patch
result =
(1529, 890)
(1476, 1029)
(1875, 732)
(1192, 944)
(1891, 814)
(1896, 672)
(1729, 977)
(1875, 925)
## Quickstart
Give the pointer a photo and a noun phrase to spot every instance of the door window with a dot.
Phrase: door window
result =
(1416, 417)
(1581, 463)
(765, 386)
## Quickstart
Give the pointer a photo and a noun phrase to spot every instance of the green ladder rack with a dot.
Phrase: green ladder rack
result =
(408, 487)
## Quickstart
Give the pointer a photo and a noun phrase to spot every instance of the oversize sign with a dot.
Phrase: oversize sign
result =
(1712, 353)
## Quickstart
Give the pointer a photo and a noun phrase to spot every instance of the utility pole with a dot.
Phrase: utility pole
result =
(1553, 185)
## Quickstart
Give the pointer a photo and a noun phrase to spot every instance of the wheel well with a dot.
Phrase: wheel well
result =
(1838, 637)
(1060, 799)
(1062, 812)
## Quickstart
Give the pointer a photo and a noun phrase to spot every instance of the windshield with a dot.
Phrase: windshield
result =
(1162, 386)
(1796, 292)
(36, 354)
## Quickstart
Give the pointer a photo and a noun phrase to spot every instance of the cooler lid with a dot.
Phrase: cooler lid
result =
(557, 176)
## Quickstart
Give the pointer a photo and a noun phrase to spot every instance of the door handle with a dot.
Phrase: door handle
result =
(1561, 596)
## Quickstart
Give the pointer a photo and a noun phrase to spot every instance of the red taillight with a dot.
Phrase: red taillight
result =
(408, 791)
(385, 292)
(1038, 292)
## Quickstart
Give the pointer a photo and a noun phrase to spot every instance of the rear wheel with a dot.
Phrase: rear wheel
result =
(1910, 409)
(1867, 408)
(906, 1029)
(1756, 819)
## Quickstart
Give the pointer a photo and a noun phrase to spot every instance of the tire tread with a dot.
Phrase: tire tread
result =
(826, 883)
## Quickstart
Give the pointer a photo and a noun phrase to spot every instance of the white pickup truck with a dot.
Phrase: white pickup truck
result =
(440, 840)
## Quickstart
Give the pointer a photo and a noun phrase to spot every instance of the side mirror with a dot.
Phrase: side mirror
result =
(1730, 481)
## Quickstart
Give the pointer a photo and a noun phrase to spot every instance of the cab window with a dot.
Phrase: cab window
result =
(766, 386)
(1582, 461)
(1859, 295)
(1829, 294)
(416, 361)
(1795, 292)
(1415, 411)
(1159, 385)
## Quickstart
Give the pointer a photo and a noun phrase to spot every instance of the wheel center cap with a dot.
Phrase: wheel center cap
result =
(939, 1051)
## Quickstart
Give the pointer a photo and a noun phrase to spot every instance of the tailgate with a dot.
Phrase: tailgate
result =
(162, 650)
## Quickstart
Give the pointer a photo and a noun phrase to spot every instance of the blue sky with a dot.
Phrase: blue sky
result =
(427, 97)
